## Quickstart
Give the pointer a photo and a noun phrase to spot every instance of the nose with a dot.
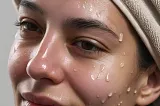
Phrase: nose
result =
(46, 63)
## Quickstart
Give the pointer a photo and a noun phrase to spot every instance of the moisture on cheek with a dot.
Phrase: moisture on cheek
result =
(115, 98)
(120, 37)
(119, 98)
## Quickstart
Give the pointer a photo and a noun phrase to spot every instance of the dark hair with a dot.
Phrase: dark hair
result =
(144, 57)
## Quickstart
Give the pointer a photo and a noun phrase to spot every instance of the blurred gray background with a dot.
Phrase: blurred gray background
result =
(7, 31)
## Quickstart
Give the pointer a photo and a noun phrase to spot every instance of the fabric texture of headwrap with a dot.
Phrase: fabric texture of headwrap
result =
(144, 15)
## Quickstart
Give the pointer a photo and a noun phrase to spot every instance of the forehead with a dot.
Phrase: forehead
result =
(91, 5)
(102, 10)
(58, 5)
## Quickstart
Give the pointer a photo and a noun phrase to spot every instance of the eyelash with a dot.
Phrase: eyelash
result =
(28, 24)
(96, 50)
(80, 43)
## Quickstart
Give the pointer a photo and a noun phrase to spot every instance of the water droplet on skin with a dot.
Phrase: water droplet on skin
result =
(124, 53)
(66, 60)
(79, 6)
(98, 14)
(92, 77)
(122, 65)
(110, 95)
(121, 37)
(131, 72)
(98, 96)
(135, 92)
(101, 70)
(102, 67)
(143, 98)
(85, 2)
(44, 66)
(94, 66)
(103, 101)
(107, 78)
(84, 6)
(75, 70)
(91, 8)
(128, 90)
(61, 97)
(121, 102)
(98, 76)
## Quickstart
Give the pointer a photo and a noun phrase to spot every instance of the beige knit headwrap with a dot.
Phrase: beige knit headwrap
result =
(144, 15)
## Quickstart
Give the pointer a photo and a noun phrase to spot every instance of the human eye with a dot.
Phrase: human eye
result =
(89, 47)
(29, 29)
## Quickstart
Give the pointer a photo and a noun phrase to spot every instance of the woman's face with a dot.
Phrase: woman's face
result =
(73, 53)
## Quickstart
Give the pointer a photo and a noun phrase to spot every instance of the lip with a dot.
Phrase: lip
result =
(39, 100)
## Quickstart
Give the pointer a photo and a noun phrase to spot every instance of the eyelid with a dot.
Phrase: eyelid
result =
(93, 41)
(26, 19)
(26, 33)
(88, 54)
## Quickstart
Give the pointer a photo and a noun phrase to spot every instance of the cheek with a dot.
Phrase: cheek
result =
(101, 82)
(92, 81)
(17, 62)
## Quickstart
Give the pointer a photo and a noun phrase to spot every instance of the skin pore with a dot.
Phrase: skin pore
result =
(76, 53)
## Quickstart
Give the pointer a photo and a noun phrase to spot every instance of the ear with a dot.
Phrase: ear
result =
(151, 90)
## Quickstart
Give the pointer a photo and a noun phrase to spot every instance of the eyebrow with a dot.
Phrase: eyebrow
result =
(77, 23)
(82, 24)
(31, 5)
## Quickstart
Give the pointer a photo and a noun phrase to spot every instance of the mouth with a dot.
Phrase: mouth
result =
(31, 99)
